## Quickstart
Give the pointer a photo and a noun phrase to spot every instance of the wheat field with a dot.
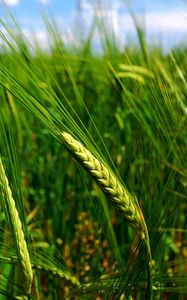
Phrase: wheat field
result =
(93, 170)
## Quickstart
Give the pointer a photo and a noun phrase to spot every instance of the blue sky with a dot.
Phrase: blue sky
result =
(163, 19)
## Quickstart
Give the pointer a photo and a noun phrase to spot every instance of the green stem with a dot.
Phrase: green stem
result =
(149, 294)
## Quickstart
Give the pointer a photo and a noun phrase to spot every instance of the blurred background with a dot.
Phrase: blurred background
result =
(165, 22)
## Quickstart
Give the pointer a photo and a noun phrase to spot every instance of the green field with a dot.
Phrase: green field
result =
(107, 218)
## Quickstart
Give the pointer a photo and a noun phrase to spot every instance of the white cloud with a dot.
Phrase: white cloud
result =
(167, 27)
(32, 38)
(167, 21)
(38, 37)
(11, 2)
(44, 1)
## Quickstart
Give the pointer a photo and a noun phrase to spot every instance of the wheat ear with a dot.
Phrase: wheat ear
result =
(108, 182)
(55, 271)
(23, 253)
(112, 187)
(39, 265)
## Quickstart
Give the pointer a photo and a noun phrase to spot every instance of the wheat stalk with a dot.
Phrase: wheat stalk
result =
(15, 114)
(23, 253)
(108, 182)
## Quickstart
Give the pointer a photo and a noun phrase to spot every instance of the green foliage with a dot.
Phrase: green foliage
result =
(129, 109)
